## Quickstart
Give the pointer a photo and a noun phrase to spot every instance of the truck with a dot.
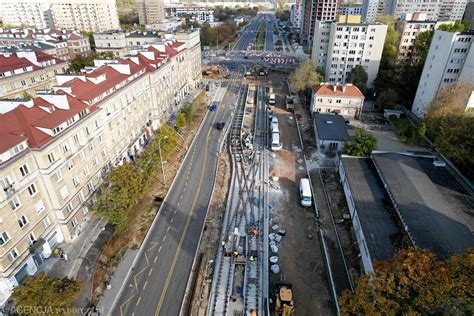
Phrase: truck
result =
(284, 304)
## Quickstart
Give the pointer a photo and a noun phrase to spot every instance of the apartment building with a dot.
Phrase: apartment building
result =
(198, 13)
(150, 11)
(63, 44)
(339, 47)
(122, 43)
(27, 71)
(90, 15)
(56, 149)
(435, 10)
(295, 16)
(350, 10)
(450, 60)
(316, 10)
(329, 98)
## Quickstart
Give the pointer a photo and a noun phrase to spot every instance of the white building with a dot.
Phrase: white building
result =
(90, 15)
(450, 60)
(150, 11)
(370, 10)
(339, 47)
(295, 16)
(345, 100)
(198, 13)
(350, 9)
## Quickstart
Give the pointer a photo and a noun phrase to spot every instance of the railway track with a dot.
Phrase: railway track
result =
(237, 280)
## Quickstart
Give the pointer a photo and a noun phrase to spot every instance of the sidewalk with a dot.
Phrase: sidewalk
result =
(76, 251)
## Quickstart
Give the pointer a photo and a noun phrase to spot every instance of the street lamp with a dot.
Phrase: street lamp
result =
(161, 159)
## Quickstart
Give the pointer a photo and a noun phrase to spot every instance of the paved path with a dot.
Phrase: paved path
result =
(159, 277)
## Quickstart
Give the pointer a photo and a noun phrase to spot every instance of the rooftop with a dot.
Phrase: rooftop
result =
(436, 210)
(330, 127)
(36, 46)
(377, 223)
(338, 90)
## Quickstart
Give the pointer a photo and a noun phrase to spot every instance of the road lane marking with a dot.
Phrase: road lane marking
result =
(164, 238)
(183, 234)
(179, 202)
(156, 258)
(151, 270)
(144, 285)
(139, 299)
(146, 258)
(159, 250)
(172, 219)
(168, 229)
(175, 211)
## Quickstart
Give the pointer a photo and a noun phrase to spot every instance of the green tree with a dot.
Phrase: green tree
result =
(81, 61)
(305, 78)
(50, 296)
(388, 98)
(118, 194)
(181, 120)
(414, 282)
(458, 26)
(361, 144)
(358, 77)
(390, 46)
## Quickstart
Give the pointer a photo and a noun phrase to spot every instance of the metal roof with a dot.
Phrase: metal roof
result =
(330, 127)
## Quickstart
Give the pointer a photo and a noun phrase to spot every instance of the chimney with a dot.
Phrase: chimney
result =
(344, 88)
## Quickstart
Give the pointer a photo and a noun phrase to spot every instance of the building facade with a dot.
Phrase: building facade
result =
(122, 43)
(350, 10)
(345, 100)
(197, 13)
(89, 15)
(316, 10)
(409, 28)
(150, 11)
(450, 60)
(339, 47)
(57, 148)
(26, 72)
(295, 16)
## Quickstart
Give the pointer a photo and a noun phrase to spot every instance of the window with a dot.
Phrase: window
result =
(81, 197)
(23, 221)
(338, 101)
(39, 207)
(85, 210)
(75, 181)
(65, 147)
(64, 192)
(24, 170)
(15, 203)
(76, 140)
(33, 80)
(58, 175)
(23, 83)
(91, 147)
(12, 255)
(74, 222)
(95, 162)
(69, 207)
(31, 239)
(90, 186)
(85, 171)
(4, 237)
(46, 222)
(51, 157)
(81, 155)
(32, 189)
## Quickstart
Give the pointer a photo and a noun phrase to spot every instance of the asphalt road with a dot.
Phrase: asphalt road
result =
(269, 42)
(158, 282)
(249, 35)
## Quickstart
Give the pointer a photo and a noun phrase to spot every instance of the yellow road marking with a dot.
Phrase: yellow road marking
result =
(178, 249)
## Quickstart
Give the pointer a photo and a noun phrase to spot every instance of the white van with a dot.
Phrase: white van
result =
(271, 99)
(274, 119)
(274, 127)
(305, 193)
(276, 141)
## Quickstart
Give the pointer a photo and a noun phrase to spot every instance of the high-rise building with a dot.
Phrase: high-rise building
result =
(339, 47)
(316, 10)
(90, 15)
(56, 149)
(450, 60)
(151, 11)
(295, 16)
(435, 10)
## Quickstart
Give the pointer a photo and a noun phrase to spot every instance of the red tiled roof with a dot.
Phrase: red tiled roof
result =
(13, 62)
(328, 89)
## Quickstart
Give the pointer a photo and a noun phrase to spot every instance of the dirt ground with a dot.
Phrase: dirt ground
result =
(300, 256)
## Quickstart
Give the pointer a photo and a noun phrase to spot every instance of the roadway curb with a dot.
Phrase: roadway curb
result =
(155, 220)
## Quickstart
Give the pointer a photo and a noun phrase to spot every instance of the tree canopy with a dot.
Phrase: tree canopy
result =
(212, 36)
(42, 295)
(81, 61)
(414, 282)
(305, 77)
(361, 144)
(358, 77)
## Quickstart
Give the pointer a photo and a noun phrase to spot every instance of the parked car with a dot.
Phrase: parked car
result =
(220, 124)
(213, 107)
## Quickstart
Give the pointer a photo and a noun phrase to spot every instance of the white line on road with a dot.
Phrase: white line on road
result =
(149, 273)
(159, 249)
(144, 285)
(139, 299)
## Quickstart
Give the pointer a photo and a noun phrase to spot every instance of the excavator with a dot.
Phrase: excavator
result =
(284, 305)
